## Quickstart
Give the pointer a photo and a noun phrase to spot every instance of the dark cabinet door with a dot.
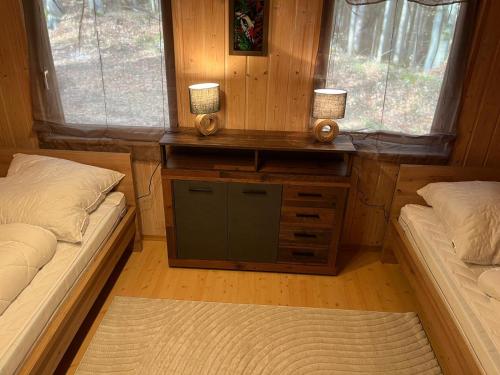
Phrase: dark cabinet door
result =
(253, 221)
(201, 219)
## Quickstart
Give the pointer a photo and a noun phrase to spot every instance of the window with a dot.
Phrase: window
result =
(391, 57)
(108, 60)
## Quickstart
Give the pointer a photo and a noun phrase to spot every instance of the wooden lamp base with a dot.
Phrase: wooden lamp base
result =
(325, 130)
(206, 124)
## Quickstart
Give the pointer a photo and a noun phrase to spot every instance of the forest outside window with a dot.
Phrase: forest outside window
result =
(107, 61)
(391, 57)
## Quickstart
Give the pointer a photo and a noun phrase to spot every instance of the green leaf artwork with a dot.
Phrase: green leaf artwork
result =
(248, 25)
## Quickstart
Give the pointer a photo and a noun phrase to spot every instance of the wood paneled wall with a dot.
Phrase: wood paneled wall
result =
(150, 205)
(271, 92)
(478, 141)
(369, 203)
(15, 100)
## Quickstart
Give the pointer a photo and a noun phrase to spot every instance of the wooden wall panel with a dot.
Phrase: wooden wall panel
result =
(271, 92)
(369, 202)
(478, 138)
(199, 44)
(15, 100)
(301, 73)
(150, 206)
(281, 31)
(256, 85)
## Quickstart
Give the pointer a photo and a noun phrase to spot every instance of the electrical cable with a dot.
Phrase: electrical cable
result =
(150, 183)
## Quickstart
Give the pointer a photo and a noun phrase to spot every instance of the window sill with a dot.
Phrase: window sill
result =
(402, 148)
(140, 150)
(143, 142)
(415, 155)
(87, 131)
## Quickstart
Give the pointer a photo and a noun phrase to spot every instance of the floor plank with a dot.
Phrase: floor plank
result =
(363, 284)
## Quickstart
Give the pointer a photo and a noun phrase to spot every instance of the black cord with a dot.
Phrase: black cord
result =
(365, 200)
(150, 183)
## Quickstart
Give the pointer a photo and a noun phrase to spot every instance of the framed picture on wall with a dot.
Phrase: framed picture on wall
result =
(248, 27)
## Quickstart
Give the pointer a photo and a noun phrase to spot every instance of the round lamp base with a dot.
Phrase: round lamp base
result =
(206, 124)
(325, 130)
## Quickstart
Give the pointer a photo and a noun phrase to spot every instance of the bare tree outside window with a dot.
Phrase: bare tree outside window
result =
(108, 58)
(391, 57)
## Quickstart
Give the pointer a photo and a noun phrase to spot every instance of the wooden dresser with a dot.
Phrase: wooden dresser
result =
(254, 200)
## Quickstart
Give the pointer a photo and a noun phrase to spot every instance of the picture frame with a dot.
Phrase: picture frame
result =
(248, 27)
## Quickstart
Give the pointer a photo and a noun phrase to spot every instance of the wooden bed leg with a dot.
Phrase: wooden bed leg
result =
(388, 255)
(137, 243)
(138, 236)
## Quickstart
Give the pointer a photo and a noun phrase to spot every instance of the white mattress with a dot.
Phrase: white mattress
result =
(24, 320)
(475, 313)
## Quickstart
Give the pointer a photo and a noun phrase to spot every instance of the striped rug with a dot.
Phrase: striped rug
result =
(155, 336)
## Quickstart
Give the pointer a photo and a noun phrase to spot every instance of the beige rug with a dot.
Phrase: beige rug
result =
(154, 336)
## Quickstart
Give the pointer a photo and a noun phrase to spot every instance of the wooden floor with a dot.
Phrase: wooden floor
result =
(364, 283)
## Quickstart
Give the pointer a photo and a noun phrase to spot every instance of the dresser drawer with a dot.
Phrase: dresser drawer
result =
(308, 217)
(299, 235)
(303, 254)
(312, 196)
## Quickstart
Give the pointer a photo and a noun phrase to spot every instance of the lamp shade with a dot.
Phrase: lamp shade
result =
(204, 98)
(329, 103)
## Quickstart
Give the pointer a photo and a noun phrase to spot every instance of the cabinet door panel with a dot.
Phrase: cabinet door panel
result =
(201, 219)
(253, 220)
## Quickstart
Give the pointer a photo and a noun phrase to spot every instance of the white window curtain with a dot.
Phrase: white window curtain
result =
(101, 68)
(402, 63)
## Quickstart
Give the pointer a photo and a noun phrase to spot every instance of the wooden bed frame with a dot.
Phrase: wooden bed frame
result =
(447, 339)
(51, 345)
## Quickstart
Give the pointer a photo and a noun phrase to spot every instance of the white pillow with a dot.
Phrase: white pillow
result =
(55, 194)
(489, 283)
(470, 212)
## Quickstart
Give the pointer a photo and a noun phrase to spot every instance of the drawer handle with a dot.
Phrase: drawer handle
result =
(255, 192)
(307, 216)
(200, 190)
(302, 253)
(304, 235)
(313, 195)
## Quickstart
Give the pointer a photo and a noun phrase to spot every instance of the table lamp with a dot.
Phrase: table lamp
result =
(204, 102)
(328, 105)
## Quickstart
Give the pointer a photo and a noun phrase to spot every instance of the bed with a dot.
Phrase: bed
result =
(38, 326)
(460, 320)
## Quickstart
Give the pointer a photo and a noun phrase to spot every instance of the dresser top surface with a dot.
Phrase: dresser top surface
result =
(255, 140)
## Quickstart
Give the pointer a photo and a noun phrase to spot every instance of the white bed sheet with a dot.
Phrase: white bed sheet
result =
(24, 320)
(477, 315)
